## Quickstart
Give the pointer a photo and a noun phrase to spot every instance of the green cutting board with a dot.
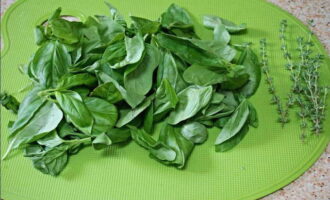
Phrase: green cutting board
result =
(269, 157)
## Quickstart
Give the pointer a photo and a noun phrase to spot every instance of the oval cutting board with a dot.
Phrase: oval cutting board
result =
(269, 157)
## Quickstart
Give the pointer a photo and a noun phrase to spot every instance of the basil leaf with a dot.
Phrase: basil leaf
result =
(169, 69)
(145, 26)
(101, 141)
(173, 138)
(217, 98)
(175, 16)
(51, 140)
(221, 34)
(191, 100)
(104, 113)
(9, 102)
(114, 53)
(217, 47)
(107, 30)
(233, 141)
(66, 31)
(107, 91)
(131, 98)
(139, 78)
(210, 21)
(195, 132)
(252, 68)
(134, 51)
(253, 116)
(159, 150)
(76, 110)
(73, 80)
(236, 78)
(116, 16)
(196, 74)
(67, 131)
(166, 97)
(188, 51)
(234, 124)
(118, 135)
(50, 63)
(148, 123)
(39, 35)
(49, 161)
(127, 115)
(82, 91)
(44, 121)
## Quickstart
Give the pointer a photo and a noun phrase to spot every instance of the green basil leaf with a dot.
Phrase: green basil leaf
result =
(173, 138)
(169, 69)
(213, 109)
(76, 110)
(217, 47)
(118, 135)
(188, 51)
(191, 100)
(114, 53)
(210, 21)
(66, 31)
(159, 150)
(221, 34)
(195, 132)
(252, 68)
(175, 16)
(116, 16)
(217, 98)
(101, 141)
(233, 141)
(73, 80)
(67, 131)
(166, 97)
(148, 123)
(253, 116)
(236, 78)
(39, 35)
(127, 115)
(50, 140)
(44, 121)
(107, 91)
(204, 75)
(131, 98)
(134, 51)
(145, 26)
(104, 113)
(107, 30)
(50, 63)
(50, 161)
(9, 102)
(234, 124)
(138, 78)
(82, 91)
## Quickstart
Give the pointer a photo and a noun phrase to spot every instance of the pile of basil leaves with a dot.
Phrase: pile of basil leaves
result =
(102, 82)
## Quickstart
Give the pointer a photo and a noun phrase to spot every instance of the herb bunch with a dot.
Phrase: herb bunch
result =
(104, 81)
(305, 92)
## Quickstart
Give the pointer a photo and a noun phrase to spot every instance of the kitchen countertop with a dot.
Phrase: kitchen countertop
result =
(315, 183)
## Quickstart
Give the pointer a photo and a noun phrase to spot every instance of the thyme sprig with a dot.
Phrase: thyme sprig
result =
(283, 114)
(294, 75)
(314, 94)
(306, 92)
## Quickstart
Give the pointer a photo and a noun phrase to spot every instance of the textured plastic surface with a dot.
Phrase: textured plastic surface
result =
(269, 157)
